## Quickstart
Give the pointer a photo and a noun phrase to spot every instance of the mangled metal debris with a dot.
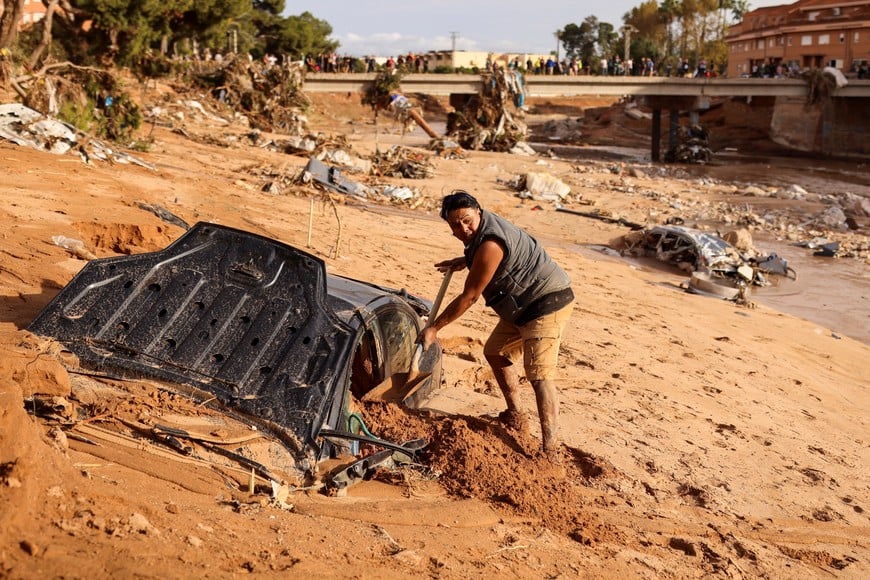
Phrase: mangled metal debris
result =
(692, 146)
(393, 456)
(822, 247)
(331, 178)
(250, 329)
(716, 266)
(30, 128)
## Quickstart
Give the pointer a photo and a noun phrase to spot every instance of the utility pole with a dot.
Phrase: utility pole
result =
(453, 36)
(557, 34)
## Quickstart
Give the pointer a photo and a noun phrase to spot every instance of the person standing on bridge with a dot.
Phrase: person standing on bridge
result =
(530, 293)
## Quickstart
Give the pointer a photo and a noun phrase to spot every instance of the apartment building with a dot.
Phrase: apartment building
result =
(807, 34)
(33, 12)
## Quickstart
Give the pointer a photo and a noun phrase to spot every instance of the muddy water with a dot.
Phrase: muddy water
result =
(823, 176)
(835, 294)
(832, 293)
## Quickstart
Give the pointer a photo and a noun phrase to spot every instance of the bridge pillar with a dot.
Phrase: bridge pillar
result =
(673, 127)
(459, 100)
(674, 104)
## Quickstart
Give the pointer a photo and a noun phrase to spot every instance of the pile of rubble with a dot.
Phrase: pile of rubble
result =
(725, 266)
(270, 96)
(402, 162)
(486, 121)
(692, 146)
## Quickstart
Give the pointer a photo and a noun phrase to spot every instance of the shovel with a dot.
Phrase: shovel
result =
(414, 373)
(387, 390)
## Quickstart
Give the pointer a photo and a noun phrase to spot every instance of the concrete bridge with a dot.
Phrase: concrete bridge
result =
(571, 86)
(845, 125)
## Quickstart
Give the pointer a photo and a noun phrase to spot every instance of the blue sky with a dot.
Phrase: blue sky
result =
(390, 27)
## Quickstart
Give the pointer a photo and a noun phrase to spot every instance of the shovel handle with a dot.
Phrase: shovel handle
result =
(433, 312)
(436, 306)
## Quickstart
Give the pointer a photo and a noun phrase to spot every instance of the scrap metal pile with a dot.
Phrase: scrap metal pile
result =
(692, 146)
(724, 267)
(486, 122)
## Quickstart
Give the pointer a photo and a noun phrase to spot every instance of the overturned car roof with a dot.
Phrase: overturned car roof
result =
(242, 317)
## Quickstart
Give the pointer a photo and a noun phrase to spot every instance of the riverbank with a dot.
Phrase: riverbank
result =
(702, 438)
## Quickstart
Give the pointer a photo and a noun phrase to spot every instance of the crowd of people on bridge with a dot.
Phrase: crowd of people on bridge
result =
(569, 66)
(551, 65)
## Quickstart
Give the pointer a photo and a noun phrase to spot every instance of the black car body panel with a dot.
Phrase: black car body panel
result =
(243, 318)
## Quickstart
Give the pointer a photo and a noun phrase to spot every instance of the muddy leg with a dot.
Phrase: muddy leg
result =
(508, 381)
(548, 411)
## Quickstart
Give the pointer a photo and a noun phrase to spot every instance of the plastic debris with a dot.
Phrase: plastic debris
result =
(28, 127)
(74, 246)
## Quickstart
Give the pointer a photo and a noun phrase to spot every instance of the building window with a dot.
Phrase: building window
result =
(770, 42)
(807, 40)
(759, 44)
(824, 39)
(856, 38)
(842, 38)
(812, 16)
(790, 40)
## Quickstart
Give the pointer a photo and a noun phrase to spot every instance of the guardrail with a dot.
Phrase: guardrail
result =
(567, 86)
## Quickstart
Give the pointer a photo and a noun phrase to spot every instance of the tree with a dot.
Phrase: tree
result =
(739, 8)
(122, 30)
(9, 19)
(208, 20)
(302, 35)
(607, 37)
(580, 41)
(650, 33)
(646, 20)
(669, 12)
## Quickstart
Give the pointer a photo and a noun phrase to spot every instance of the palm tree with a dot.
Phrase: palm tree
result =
(739, 8)
(669, 11)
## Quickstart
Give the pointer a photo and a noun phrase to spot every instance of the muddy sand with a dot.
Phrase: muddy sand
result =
(702, 438)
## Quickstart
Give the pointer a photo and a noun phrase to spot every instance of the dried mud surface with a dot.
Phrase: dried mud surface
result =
(702, 439)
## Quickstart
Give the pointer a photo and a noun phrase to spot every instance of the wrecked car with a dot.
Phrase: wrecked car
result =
(716, 266)
(255, 328)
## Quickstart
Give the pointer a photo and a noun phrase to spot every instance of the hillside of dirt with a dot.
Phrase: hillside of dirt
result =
(702, 438)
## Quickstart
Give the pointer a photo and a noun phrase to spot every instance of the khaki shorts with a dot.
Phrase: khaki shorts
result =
(538, 340)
